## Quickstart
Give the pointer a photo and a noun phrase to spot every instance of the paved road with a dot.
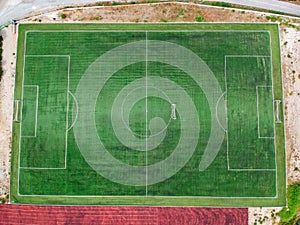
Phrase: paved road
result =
(15, 9)
(274, 5)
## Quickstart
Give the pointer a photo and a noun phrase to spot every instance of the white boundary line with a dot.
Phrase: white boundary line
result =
(257, 110)
(226, 111)
(146, 114)
(274, 127)
(41, 56)
(142, 31)
(283, 119)
(67, 106)
(227, 152)
(36, 111)
(136, 196)
(20, 139)
(143, 196)
(252, 170)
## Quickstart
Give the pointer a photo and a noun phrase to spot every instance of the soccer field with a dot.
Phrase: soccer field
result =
(149, 114)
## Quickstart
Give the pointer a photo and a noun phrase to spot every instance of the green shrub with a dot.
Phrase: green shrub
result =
(289, 215)
(272, 18)
(115, 3)
(222, 4)
(63, 16)
(199, 18)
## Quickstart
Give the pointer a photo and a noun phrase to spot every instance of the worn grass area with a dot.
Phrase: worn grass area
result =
(48, 167)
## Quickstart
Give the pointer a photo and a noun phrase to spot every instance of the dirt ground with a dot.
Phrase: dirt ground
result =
(6, 106)
(171, 12)
(297, 2)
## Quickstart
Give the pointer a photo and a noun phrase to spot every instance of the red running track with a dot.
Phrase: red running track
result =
(120, 215)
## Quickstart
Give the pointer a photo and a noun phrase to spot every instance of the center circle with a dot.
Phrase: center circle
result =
(134, 94)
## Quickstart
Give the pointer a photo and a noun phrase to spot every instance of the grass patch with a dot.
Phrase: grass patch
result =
(272, 18)
(228, 5)
(220, 4)
(63, 16)
(289, 215)
(199, 19)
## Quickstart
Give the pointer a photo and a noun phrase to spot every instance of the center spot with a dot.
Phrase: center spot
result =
(148, 117)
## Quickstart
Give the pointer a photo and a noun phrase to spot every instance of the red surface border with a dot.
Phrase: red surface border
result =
(121, 215)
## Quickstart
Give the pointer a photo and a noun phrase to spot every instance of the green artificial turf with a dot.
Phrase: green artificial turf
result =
(48, 165)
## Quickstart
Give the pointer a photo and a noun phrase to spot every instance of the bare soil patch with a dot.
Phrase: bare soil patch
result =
(6, 106)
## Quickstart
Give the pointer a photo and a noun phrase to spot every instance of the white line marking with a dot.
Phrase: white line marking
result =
(143, 196)
(252, 169)
(146, 114)
(257, 113)
(142, 31)
(76, 106)
(247, 56)
(217, 111)
(67, 110)
(36, 109)
(283, 113)
(179, 197)
(226, 110)
(22, 94)
(40, 168)
(41, 56)
(274, 127)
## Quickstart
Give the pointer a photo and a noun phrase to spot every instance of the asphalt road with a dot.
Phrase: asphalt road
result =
(16, 9)
(274, 5)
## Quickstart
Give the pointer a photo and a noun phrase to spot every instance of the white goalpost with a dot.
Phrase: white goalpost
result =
(173, 114)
